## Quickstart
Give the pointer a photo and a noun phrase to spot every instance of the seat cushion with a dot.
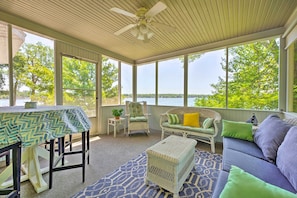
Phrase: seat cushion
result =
(270, 135)
(188, 128)
(220, 184)
(138, 119)
(243, 146)
(262, 169)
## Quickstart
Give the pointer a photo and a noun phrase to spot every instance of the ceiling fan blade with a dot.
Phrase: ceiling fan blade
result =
(157, 8)
(123, 12)
(124, 29)
(162, 26)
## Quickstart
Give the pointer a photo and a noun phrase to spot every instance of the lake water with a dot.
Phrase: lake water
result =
(150, 101)
(19, 102)
(166, 101)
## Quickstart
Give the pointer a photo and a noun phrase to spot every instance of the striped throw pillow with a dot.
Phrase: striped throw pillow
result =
(207, 123)
(173, 119)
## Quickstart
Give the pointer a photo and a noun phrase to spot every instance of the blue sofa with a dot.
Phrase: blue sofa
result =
(248, 156)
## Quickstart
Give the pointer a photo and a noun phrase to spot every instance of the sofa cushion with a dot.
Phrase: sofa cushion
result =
(173, 119)
(262, 169)
(240, 130)
(220, 184)
(286, 159)
(270, 135)
(138, 119)
(188, 128)
(243, 146)
(244, 185)
(191, 119)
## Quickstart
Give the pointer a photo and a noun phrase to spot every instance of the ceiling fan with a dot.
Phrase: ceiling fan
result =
(141, 29)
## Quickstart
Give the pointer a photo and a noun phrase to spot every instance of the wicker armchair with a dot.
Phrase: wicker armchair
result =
(137, 116)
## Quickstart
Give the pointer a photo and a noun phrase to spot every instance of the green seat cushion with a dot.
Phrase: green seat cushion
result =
(244, 185)
(188, 128)
(240, 130)
(138, 119)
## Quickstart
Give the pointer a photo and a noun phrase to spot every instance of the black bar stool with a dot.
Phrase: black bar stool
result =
(85, 147)
(11, 141)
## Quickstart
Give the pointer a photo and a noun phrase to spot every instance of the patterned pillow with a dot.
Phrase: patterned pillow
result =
(207, 123)
(173, 119)
(135, 109)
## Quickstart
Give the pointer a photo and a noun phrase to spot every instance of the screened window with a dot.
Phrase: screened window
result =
(253, 75)
(204, 71)
(4, 81)
(171, 82)
(33, 67)
(146, 83)
(110, 81)
(126, 82)
(79, 84)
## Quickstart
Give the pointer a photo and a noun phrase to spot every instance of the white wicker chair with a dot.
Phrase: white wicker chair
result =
(137, 116)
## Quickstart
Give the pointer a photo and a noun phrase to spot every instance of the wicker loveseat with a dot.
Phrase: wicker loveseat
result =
(201, 133)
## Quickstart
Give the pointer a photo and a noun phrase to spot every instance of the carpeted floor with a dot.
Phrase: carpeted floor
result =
(107, 154)
(128, 180)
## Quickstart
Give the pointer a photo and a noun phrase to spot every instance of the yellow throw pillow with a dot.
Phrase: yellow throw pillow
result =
(191, 119)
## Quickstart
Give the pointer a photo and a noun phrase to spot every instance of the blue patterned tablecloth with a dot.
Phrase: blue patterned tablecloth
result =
(35, 126)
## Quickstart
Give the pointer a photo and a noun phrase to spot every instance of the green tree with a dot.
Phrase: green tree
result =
(109, 82)
(252, 78)
(2, 75)
(79, 84)
(34, 68)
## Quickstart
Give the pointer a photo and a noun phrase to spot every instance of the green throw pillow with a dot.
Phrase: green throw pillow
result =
(244, 185)
(173, 119)
(240, 130)
(207, 123)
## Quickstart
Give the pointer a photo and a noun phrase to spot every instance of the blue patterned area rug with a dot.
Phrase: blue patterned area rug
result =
(128, 180)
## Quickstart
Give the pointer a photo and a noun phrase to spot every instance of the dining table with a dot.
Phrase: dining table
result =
(36, 126)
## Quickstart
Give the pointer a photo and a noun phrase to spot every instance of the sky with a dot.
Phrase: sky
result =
(202, 72)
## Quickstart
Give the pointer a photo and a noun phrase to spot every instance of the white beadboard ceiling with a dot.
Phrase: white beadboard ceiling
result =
(197, 22)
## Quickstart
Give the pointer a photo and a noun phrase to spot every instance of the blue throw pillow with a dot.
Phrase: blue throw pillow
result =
(286, 159)
(270, 135)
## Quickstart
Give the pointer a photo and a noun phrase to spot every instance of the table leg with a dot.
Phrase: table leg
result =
(115, 129)
(108, 125)
(30, 167)
(124, 127)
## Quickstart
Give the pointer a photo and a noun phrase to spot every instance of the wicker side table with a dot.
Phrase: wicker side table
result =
(169, 163)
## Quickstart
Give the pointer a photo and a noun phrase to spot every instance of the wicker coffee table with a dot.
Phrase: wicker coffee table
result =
(169, 162)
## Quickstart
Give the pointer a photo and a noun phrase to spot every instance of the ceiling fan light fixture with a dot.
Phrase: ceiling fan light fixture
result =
(150, 34)
(135, 32)
(143, 28)
(140, 36)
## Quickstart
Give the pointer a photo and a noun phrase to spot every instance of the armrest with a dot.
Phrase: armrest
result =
(163, 118)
